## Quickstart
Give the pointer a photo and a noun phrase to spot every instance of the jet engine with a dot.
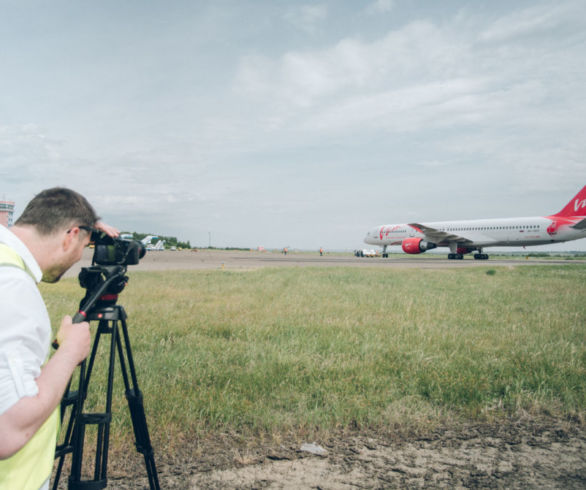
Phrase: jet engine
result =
(416, 245)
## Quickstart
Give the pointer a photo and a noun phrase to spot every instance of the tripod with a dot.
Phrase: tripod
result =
(111, 321)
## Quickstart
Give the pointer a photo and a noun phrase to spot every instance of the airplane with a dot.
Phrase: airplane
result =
(147, 240)
(148, 243)
(463, 237)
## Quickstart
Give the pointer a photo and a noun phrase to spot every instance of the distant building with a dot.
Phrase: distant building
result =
(6, 212)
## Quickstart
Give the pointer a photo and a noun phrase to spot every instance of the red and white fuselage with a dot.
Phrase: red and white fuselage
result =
(473, 235)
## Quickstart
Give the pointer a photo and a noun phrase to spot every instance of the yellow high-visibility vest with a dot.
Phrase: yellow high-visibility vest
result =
(32, 464)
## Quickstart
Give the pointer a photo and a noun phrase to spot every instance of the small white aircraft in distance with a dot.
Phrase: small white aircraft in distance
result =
(148, 243)
(463, 237)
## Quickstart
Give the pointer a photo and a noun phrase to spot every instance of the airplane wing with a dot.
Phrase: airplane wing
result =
(580, 225)
(438, 237)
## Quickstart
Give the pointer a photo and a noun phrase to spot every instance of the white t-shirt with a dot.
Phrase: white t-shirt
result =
(25, 328)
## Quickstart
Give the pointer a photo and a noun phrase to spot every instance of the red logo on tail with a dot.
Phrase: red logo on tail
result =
(576, 207)
(579, 204)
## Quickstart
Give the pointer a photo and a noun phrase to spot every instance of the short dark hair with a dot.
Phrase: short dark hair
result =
(57, 208)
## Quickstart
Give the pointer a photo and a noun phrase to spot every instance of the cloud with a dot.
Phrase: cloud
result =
(422, 75)
(351, 65)
(355, 81)
(27, 153)
(418, 107)
(532, 21)
(380, 7)
(307, 17)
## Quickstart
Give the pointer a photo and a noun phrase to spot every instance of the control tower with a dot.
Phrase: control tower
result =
(6, 212)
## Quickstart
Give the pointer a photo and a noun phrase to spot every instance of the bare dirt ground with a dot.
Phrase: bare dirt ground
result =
(531, 453)
(544, 454)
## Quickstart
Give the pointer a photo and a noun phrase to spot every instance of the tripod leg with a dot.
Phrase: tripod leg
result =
(136, 407)
(100, 420)
(73, 440)
(141, 434)
(69, 398)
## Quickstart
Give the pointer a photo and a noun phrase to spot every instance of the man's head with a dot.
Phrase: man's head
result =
(56, 209)
(55, 226)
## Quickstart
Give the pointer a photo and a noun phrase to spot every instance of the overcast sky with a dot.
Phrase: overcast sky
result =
(289, 123)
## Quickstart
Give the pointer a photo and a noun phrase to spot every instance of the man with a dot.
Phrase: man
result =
(43, 244)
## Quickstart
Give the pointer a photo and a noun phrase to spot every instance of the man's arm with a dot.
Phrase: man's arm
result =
(20, 422)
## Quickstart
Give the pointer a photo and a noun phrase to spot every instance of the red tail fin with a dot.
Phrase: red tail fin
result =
(576, 207)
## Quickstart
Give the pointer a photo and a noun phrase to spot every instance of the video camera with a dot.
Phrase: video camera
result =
(116, 251)
(106, 278)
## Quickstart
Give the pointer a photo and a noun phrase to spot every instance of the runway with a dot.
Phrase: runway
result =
(205, 259)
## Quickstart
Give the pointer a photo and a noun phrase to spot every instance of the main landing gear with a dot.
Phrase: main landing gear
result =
(457, 255)
(480, 255)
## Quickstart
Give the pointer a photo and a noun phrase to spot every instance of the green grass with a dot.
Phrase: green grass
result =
(291, 350)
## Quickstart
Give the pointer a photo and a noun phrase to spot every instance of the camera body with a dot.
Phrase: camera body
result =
(116, 251)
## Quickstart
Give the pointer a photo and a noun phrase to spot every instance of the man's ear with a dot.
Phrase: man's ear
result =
(70, 238)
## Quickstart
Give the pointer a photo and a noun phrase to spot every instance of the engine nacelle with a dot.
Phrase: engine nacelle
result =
(416, 245)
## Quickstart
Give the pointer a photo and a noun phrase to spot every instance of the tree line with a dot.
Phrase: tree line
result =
(170, 241)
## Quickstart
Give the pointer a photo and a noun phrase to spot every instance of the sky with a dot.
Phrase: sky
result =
(294, 124)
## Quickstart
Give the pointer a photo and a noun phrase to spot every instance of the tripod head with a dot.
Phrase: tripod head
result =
(103, 284)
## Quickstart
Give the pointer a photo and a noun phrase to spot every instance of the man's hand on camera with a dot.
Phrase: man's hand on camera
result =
(107, 229)
(74, 339)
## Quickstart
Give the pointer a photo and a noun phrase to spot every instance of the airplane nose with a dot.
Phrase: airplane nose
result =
(369, 236)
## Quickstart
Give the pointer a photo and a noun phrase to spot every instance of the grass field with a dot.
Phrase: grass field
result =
(300, 350)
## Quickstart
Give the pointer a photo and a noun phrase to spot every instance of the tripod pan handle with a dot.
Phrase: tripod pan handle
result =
(79, 317)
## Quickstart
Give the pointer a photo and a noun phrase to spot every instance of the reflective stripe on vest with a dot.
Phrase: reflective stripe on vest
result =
(32, 464)
(10, 257)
